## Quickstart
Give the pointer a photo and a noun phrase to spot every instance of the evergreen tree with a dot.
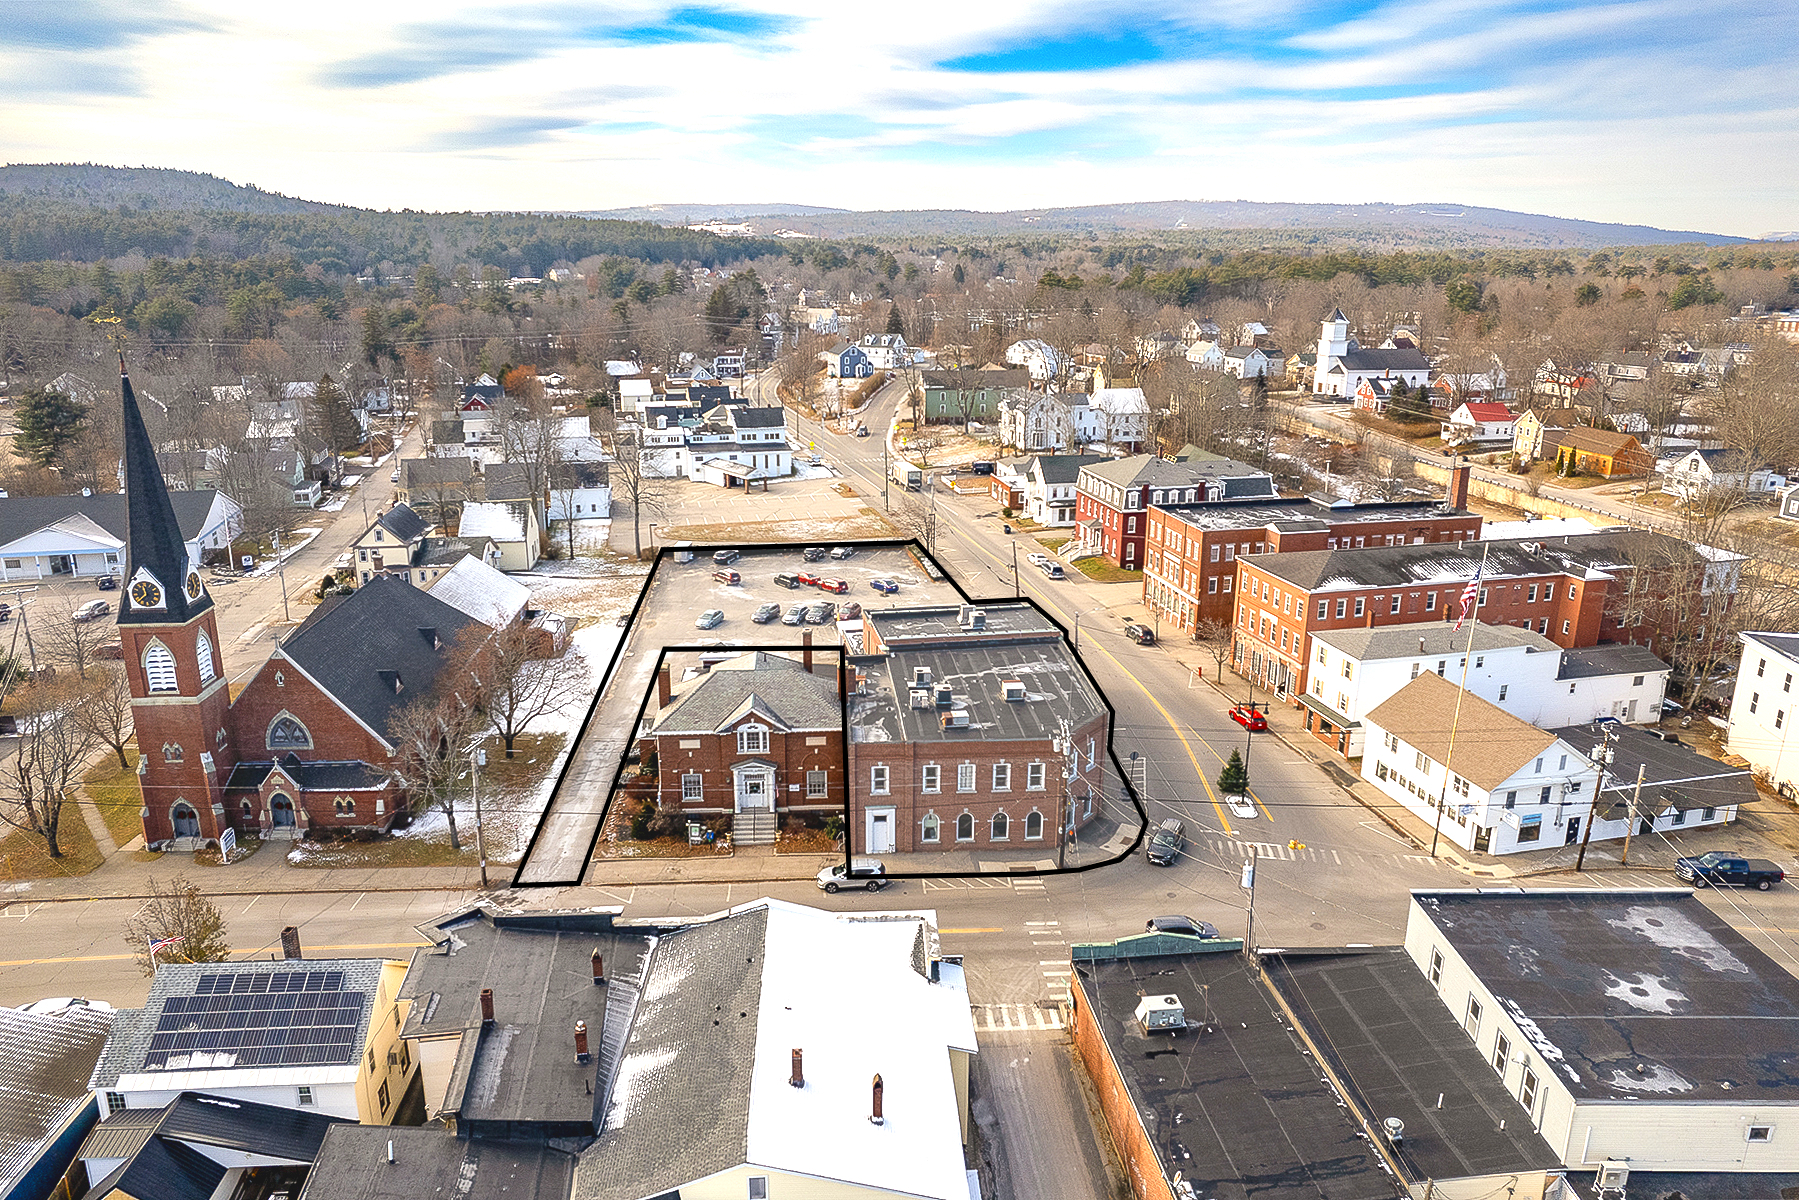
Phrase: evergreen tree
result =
(895, 324)
(333, 418)
(48, 422)
(1234, 779)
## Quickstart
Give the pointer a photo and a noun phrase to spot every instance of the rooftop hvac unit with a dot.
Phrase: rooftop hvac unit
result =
(1161, 1014)
(945, 695)
(1613, 1176)
(962, 614)
(977, 618)
(921, 676)
(1014, 690)
(953, 720)
(919, 697)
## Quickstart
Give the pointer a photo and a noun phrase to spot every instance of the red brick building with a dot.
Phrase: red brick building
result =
(1557, 587)
(1192, 549)
(1112, 499)
(305, 745)
(752, 736)
(971, 729)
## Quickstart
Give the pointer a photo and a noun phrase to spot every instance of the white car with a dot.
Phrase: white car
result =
(1036, 560)
(865, 873)
(712, 618)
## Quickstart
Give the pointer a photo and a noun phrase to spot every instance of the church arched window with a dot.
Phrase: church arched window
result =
(203, 651)
(288, 734)
(159, 668)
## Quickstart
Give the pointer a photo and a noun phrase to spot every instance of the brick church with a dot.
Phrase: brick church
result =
(306, 745)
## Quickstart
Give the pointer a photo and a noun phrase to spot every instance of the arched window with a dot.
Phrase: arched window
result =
(246, 809)
(171, 752)
(1033, 826)
(752, 739)
(159, 668)
(287, 733)
(1000, 827)
(203, 652)
(932, 828)
(965, 827)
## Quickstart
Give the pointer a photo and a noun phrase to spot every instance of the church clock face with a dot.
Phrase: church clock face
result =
(193, 585)
(145, 594)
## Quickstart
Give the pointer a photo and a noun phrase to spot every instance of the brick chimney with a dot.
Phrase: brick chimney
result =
(487, 1006)
(290, 943)
(581, 1054)
(599, 968)
(806, 651)
(1458, 484)
(665, 684)
(798, 1078)
(875, 1117)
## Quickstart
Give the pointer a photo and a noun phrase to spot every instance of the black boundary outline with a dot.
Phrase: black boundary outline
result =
(917, 550)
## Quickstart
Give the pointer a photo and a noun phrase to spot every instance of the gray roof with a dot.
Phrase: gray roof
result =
(1056, 688)
(204, 1120)
(680, 1107)
(1436, 563)
(448, 551)
(579, 474)
(344, 776)
(1365, 643)
(45, 1062)
(438, 470)
(133, 1041)
(759, 418)
(402, 524)
(940, 624)
(1614, 658)
(1617, 980)
(1155, 471)
(22, 515)
(1786, 644)
(775, 685)
(156, 541)
(371, 650)
(508, 481)
(161, 1170)
(123, 1133)
(1387, 1033)
(431, 1161)
(1316, 512)
(971, 379)
(1063, 468)
(1673, 775)
(1385, 360)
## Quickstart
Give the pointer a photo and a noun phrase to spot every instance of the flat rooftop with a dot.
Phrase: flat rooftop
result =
(900, 626)
(1388, 1034)
(1241, 1112)
(429, 1161)
(1055, 689)
(1595, 978)
(1309, 512)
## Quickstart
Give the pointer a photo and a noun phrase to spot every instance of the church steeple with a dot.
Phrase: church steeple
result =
(162, 585)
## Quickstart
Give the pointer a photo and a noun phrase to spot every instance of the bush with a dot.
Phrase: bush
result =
(640, 822)
(834, 825)
(669, 823)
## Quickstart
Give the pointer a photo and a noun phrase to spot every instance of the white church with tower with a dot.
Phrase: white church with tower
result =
(1343, 365)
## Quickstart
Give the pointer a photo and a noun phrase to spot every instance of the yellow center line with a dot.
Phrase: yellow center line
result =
(33, 962)
(993, 929)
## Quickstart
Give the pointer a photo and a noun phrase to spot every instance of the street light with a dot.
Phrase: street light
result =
(477, 758)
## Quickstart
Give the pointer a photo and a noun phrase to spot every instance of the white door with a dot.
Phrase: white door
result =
(879, 831)
(755, 789)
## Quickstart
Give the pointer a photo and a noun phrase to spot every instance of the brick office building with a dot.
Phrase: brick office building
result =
(971, 729)
(751, 737)
(1192, 549)
(1563, 588)
(1112, 499)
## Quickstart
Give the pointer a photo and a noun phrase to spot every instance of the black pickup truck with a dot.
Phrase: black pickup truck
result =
(1717, 868)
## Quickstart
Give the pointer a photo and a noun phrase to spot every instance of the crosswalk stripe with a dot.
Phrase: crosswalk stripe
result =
(1015, 1017)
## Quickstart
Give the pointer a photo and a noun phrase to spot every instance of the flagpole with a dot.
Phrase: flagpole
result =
(1480, 574)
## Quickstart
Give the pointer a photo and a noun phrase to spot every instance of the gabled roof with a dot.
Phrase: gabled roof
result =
(508, 481)
(1600, 441)
(476, 589)
(401, 524)
(793, 697)
(154, 541)
(1491, 745)
(198, 1119)
(438, 470)
(45, 1062)
(1062, 468)
(1366, 643)
(358, 647)
(504, 521)
(1488, 412)
(745, 417)
(161, 1170)
(1384, 360)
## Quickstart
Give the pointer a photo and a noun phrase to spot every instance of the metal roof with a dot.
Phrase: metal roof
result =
(45, 1062)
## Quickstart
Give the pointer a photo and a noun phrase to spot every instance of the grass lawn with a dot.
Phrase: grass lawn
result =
(116, 793)
(1101, 571)
(1053, 543)
(23, 856)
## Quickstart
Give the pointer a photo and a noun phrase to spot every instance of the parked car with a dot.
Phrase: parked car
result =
(982, 468)
(866, 873)
(93, 610)
(787, 581)
(1166, 843)
(817, 460)
(1720, 868)
(842, 552)
(1249, 717)
(820, 613)
(1184, 925)
(794, 616)
(807, 578)
(1036, 560)
(725, 558)
(727, 576)
(1143, 635)
(836, 586)
(766, 613)
(887, 587)
(395, 477)
(1052, 568)
(861, 431)
(107, 583)
(712, 618)
(813, 553)
(850, 612)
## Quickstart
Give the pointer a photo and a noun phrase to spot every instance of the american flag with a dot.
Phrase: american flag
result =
(163, 943)
(1469, 595)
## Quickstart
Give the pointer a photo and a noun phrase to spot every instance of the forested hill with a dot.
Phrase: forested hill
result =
(85, 213)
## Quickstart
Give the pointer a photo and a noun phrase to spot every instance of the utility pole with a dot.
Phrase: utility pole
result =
(1603, 756)
(1065, 815)
(477, 759)
(1016, 593)
(886, 475)
(1631, 817)
(281, 573)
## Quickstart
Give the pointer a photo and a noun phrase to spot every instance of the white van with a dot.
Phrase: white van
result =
(866, 872)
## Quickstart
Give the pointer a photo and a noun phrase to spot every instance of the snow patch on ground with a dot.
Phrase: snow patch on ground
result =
(288, 550)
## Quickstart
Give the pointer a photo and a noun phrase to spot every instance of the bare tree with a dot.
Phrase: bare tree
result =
(177, 910)
(643, 492)
(107, 710)
(1215, 634)
(35, 783)
(521, 688)
(530, 438)
(75, 644)
(432, 736)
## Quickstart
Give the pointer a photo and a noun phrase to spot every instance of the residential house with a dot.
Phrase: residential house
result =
(634, 393)
(1116, 418)
(1460, 385)
(1566, 384)
(1043, 361)
(1008, 481)
(1602, 452)
(437, 485)
(1253, 362)
(971, 728)
(728, 364)
(46, 1059)
(1050, 481)
(1536, 431)
(736, 446)
(1154, 347)
(1343, 364)
(1701, 471)
(1112, 498)
(1355, 669)
(1786, 505)
(1199, 327)
(511, 526)
(1763, 708)
(320, 1034)
(579, 491)
(887, 351)
(389, 544)
(44, 537)
(818, 318)
(479, 591)
(957, 397)
(1207, 354)
(1479, 422)
(1192, 547)
(446, 438)
(1033, 421)
(200, 1145)
(846, 360)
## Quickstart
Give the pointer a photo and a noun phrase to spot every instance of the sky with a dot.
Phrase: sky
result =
(1681, 115)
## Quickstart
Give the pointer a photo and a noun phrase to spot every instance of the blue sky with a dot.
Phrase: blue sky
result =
(1649, 111)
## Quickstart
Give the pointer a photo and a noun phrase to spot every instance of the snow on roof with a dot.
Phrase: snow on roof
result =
(475, 588)
(1499, 531)
(1120, 400)
(502, 521)
(846, 989)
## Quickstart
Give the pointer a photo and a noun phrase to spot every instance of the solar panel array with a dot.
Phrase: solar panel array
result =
(261, 1019)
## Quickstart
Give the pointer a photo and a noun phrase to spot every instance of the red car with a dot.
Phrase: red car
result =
(1249, 718)
(808, 579)
(837, 586)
